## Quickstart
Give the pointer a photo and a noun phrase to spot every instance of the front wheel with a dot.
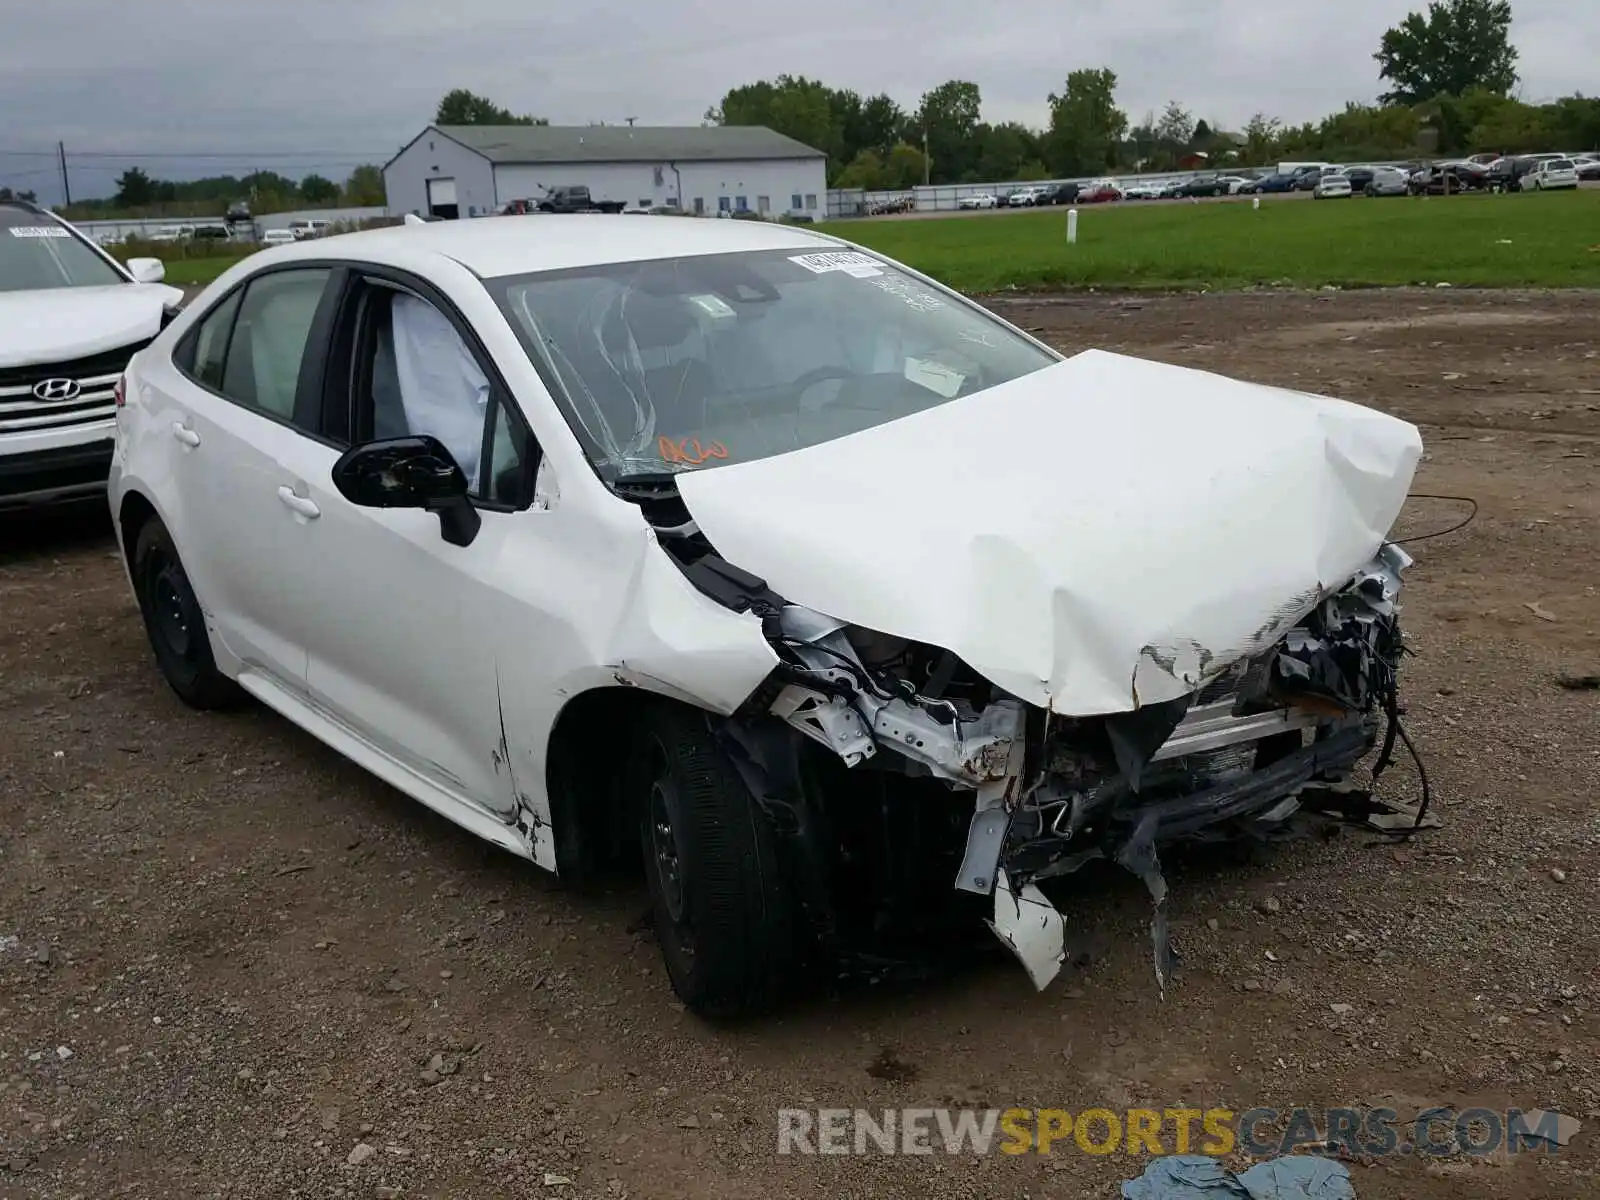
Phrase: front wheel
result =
(721, 908)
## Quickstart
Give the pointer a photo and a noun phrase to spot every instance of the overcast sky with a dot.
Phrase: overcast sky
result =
(302, 85)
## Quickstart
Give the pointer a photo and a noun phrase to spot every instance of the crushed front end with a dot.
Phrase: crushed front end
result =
(891, 769)
(1237, 758)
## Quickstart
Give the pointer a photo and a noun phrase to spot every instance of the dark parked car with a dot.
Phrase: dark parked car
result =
(1449, 178)
(1505, 174)
(1275, 182)
(1058, 193)
(1202, 185)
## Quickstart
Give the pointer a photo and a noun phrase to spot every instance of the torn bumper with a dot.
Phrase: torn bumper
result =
(1232, 759)
(1032, 927)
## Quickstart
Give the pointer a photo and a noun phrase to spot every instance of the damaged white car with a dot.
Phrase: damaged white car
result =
(735, 548)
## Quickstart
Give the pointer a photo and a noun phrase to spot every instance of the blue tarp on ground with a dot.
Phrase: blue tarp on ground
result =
(1195, 1177)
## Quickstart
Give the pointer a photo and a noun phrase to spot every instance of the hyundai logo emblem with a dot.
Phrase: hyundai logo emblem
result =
(57, 391)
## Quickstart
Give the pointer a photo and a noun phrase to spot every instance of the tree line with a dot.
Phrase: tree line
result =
(1449, 72)
(141, 194)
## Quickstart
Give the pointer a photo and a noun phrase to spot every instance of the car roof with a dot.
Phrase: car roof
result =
(517, 245)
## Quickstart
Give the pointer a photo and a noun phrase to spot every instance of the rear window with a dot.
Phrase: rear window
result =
(37, 253)
(1559, 164)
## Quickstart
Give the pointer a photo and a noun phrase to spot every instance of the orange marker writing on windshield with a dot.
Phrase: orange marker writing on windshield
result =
(689, 450)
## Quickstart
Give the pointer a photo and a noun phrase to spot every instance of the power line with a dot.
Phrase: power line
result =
(239, 155)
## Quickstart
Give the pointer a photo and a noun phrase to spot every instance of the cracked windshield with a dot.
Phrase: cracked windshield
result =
(692, 363)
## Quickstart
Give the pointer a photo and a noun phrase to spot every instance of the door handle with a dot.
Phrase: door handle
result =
(303, 505)
(184, 434)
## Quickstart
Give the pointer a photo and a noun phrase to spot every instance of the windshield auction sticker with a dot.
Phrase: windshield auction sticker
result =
(857, 266)
(33, 231)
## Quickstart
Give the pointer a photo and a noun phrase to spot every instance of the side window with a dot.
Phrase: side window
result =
(210, 346)
(503, 482)
(414, 374)
(262, 368)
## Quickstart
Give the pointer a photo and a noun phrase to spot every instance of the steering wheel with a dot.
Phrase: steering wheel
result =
(819, 375)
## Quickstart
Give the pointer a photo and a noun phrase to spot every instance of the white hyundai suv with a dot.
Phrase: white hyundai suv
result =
(71, 317)
(841, 605)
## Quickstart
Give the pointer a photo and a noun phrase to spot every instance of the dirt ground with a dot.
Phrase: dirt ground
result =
(227, 957)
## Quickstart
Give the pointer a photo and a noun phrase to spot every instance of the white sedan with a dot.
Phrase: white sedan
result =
(740, 551)
(983, 200)
(1333, 186)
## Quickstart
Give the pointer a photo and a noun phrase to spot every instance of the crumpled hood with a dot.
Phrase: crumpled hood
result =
(1101, 534)
(60, 324)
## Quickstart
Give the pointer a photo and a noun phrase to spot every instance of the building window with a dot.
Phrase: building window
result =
(647, 204)
(722, 204)
(742, 203)
(794, 201)
(763, 205)
(811, 199)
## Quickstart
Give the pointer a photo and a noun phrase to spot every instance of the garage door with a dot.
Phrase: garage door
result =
(441, 191)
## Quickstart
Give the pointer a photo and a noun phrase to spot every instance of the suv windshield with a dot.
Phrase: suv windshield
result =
(697, 362)
(38, 252)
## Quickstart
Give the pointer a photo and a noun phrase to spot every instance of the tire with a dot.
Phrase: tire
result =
(174, 623)
(721, 909)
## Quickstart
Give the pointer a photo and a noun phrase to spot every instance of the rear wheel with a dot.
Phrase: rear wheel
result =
(175, 624)
(721, 909)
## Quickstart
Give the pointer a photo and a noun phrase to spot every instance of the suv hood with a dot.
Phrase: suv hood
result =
(1101, 534)
(61, 324)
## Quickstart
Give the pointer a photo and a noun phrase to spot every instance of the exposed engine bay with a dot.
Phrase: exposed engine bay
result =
(868, 750)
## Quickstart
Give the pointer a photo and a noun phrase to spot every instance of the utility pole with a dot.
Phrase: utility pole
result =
(66, 184)
(927, 163)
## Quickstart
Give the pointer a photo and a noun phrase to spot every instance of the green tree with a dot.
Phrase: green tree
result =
(904, 167)
(1001, 150)
(1261, 137)
(461, 107)
(314, 189)
(865, 170)
(1176, 126)
(1457, 45)
(364, 188)
(792, 105)
(1086, 125)
(879, 126)
(134, 187)
(947, 118)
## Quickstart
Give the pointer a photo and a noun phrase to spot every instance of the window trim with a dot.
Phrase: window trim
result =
(313, 365)
(339, 385)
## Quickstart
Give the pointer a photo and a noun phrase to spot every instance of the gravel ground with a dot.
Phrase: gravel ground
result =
(233, 965)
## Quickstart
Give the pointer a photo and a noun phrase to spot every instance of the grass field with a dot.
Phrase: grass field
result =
(1533, 240)
(192, 272)
(1479, 241)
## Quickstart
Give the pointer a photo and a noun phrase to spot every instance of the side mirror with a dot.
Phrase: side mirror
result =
(410, 472)
(146, 270)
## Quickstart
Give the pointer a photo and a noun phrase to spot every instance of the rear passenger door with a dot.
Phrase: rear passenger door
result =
(249, 440)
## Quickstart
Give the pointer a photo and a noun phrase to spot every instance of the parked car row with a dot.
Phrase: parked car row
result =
(1534, 172)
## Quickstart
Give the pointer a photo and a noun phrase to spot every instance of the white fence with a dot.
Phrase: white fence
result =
(146, 226)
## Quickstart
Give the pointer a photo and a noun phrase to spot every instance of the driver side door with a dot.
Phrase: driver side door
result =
(409, 656)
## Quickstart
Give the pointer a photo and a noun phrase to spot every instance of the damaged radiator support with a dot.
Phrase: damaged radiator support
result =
(1237, 757)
